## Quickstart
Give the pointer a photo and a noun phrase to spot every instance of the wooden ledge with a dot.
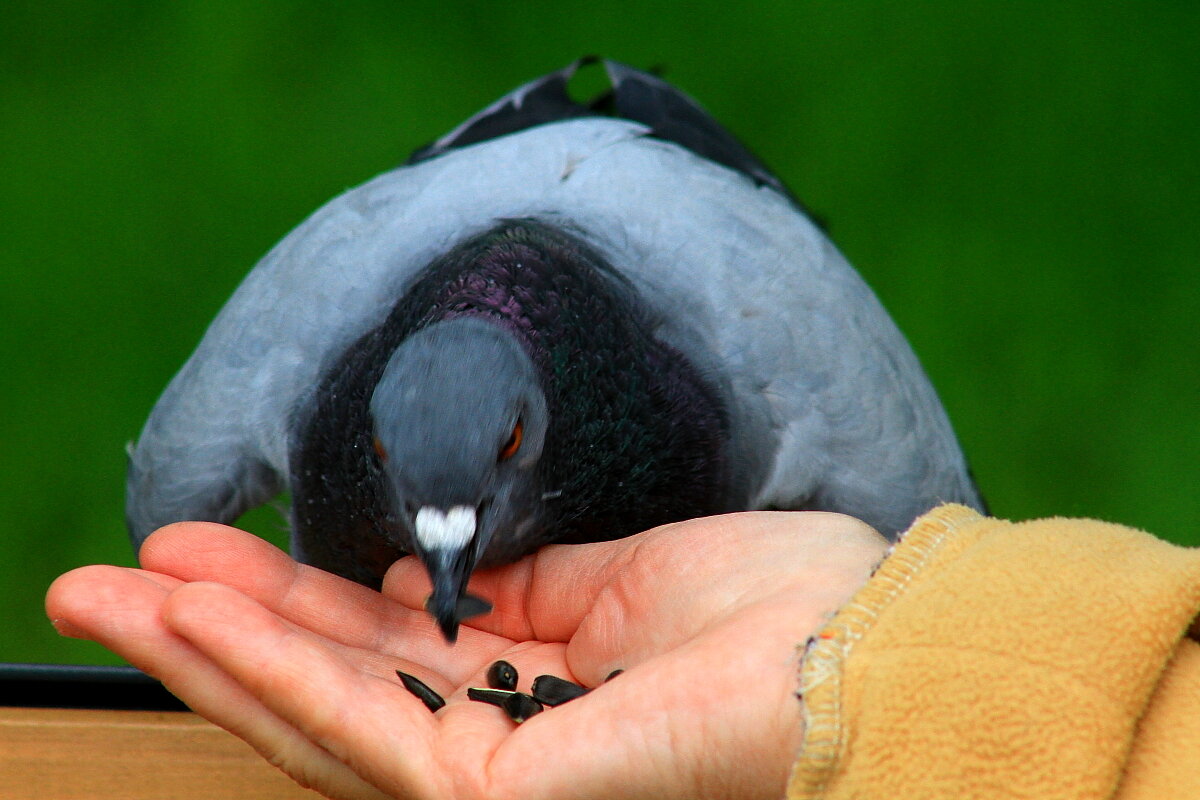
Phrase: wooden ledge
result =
(63, 754)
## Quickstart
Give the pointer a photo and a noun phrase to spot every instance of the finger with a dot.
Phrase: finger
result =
(202, 551)
(548, 596)
(542, 597)
(106, 604)
(119, 608)
(379, 730)
(328, 605)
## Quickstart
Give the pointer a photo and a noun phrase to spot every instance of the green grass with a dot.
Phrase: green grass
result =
(1018, 181)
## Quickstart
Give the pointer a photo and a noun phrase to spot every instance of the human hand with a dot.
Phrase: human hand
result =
(705, 617)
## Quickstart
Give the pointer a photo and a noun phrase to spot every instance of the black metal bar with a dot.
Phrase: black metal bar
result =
(83, 686)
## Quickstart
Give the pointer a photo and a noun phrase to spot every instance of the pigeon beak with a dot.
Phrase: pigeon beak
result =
(447, 544)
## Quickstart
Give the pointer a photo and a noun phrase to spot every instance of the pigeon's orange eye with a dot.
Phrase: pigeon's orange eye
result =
(379, 449)
(513, 444)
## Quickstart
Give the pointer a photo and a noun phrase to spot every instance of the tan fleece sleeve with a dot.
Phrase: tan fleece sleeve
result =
(984, 658)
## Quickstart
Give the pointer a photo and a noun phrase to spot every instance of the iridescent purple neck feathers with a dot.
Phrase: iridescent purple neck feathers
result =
(634, 438)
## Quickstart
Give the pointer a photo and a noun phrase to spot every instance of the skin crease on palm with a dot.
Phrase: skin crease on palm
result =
(705, 616)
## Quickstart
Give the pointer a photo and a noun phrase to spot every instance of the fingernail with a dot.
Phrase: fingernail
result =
(65, 628)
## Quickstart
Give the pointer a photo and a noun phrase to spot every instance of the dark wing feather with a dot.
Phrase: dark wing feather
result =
(675, 117)
(671, 115)
(534, 103)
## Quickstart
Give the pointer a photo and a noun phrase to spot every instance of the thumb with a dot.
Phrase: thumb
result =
(542, 597)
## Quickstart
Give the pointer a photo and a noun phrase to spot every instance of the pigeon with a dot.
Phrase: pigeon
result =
(562, 322)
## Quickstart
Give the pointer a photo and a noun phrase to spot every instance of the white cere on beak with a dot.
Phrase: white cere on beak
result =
(445, 530)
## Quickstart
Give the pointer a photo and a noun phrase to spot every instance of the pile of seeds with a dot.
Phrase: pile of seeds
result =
(547, 690)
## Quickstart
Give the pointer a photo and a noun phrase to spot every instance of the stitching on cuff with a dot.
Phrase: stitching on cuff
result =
(823, 655)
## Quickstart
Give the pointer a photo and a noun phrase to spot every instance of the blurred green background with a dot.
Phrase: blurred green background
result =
(1018, 181)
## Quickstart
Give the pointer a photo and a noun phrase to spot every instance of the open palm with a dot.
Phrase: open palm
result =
(704, 617)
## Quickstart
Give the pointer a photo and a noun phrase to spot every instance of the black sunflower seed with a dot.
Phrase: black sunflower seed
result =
(432, 700)
(520, 706)
(495, 697)
(613, 674)
(502, 675)
(552, 691)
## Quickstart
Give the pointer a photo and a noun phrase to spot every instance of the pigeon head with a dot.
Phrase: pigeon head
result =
(514, 396)
(459, 420)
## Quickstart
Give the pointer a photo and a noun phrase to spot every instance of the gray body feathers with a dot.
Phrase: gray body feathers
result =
(828, 406)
